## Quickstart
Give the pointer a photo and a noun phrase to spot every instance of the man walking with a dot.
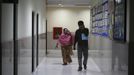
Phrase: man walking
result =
(81, 37)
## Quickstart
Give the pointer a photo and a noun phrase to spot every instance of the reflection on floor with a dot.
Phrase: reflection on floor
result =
(52, 65)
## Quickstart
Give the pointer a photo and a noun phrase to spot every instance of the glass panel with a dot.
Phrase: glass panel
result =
(25, 42)
(42, 42)
(7, 39)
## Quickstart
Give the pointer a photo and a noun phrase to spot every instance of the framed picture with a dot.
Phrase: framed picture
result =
(56, 32)
(119, 29)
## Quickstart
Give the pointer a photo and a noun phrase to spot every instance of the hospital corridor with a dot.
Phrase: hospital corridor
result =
(98, 37)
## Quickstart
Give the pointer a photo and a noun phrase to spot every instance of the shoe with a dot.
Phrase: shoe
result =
(80, 69)
(85, 67)
(70, 61)
(64, 64)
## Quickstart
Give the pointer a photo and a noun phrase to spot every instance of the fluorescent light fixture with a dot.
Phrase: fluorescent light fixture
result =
(59, 4)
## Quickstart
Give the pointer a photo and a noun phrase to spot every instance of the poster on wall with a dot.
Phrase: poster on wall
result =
(119, 30)
(56, 32)
(100, 19)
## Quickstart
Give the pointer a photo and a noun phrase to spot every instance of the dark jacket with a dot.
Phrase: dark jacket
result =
(78, 37)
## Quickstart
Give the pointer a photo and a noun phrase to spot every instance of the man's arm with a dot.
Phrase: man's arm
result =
(75, 39)
(86, 31)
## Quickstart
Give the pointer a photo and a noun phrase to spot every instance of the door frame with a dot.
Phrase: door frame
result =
(37, 39)
(46, 39)
(33, 41)
(0, 43)
(15, 38)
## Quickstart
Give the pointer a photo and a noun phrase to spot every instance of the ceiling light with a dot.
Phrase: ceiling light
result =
(59, 4)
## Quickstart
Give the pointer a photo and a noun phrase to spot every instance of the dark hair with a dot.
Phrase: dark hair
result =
(80, 23)
(65, 29)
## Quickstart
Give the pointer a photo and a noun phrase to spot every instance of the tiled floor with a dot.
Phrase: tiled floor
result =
(53, 66)
(100, 62)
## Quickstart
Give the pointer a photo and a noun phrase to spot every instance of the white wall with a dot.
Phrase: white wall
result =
(40, 7)
(67, 17)
(25, 8)
(7, 22)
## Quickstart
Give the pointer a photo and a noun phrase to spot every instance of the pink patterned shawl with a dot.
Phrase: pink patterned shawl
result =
(65, 39)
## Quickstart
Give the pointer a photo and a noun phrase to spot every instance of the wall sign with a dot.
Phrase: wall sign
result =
(56, 32)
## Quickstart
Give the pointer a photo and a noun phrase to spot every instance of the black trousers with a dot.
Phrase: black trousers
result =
(82, 51)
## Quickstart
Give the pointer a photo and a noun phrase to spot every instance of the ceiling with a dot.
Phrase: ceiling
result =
(70, 2)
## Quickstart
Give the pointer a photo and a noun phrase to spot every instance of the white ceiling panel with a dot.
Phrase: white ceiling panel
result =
(69, 2)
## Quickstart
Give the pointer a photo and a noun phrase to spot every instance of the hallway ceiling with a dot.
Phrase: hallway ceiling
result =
(69, 2)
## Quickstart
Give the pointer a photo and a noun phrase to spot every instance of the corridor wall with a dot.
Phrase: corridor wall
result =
(7, 39)
(65, 17)
(25, 9)
(112, 55)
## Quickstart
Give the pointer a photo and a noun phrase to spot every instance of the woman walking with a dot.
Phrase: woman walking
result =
(66, 42)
